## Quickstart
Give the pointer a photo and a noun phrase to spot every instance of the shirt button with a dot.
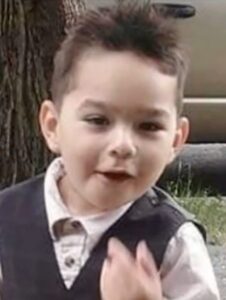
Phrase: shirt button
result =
(77, 226)
(69, 261)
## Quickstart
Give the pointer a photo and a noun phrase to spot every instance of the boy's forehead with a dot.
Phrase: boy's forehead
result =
(97, 59)
(109, 71)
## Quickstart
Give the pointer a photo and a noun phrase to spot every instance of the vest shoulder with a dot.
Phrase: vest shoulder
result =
(22, 190)
(172, 205)
(165, 208)
(164, 198)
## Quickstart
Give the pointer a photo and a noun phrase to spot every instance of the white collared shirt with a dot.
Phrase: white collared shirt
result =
(186, 272)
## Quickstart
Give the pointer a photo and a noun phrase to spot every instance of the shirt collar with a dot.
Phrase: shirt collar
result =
(55, 208)
(57, 211)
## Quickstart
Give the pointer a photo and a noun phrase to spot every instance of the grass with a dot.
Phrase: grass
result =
(210, 211)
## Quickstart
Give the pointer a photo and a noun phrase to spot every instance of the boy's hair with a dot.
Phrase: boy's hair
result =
(140, 28)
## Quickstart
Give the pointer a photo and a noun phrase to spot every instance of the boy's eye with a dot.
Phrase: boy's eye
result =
(150, 126)
(97, 120)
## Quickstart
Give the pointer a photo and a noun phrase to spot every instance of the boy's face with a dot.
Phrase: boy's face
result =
(116, 131)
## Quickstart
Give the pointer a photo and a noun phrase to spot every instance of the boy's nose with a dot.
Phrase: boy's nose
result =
(122, 144)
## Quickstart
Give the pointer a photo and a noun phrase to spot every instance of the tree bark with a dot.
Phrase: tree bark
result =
(30, 33)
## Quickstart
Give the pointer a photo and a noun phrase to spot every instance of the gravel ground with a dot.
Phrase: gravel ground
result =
(218, 256)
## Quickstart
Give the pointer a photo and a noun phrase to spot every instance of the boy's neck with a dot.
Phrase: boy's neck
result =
(73, 201)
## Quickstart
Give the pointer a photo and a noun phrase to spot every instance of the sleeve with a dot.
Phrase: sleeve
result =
(187, 263)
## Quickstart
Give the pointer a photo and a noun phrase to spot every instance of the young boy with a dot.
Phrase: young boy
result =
(95, 227)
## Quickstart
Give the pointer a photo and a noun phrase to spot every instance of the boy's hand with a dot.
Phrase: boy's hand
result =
(125, 277)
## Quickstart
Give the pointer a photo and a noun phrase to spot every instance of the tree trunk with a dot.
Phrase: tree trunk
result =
(30, 32)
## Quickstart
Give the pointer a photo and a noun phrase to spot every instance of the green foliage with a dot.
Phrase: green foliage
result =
(210, 211)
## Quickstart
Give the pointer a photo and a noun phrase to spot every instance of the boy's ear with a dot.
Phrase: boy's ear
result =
(181, 136)
(48, 119)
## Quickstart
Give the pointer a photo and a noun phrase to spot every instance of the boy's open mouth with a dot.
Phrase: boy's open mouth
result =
(116, 176)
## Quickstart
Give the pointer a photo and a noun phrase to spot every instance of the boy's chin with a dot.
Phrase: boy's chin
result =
(111, 203)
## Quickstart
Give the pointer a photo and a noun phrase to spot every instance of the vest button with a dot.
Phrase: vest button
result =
(154, 201)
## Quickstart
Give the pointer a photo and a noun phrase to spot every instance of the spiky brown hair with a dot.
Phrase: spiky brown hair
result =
(139, 28)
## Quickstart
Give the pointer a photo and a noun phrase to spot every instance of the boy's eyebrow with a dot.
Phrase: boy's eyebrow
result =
(154, 112)
(93, 103)
(147, 112)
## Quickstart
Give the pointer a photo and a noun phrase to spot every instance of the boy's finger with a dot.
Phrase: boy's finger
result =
(116, 250)
(148, 273)
(104, 270)
(145, 259)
